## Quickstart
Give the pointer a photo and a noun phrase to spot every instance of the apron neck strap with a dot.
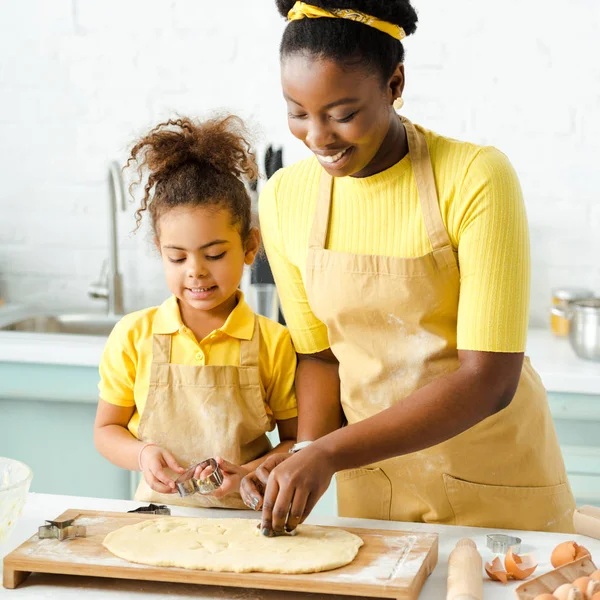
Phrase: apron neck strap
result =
(428, 197)
(161, 349)
(320, 226)
(249, 349)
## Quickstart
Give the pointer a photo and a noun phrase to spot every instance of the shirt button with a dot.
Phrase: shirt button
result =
(200, 356)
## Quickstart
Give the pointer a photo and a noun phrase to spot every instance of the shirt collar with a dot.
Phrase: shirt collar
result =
(239, 323)
(167, 319)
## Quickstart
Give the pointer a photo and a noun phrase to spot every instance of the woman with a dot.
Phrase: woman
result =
(402, 262)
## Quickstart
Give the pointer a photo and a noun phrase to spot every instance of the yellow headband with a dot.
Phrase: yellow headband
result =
(300, 10)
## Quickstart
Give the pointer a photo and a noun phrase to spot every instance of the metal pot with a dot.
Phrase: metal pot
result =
(584, 327)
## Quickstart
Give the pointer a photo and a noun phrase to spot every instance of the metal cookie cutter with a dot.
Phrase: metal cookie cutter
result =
(61, 530)
(500, 543)
(152, 509)
(187, 484)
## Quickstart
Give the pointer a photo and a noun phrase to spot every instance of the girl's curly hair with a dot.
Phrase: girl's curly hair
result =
(195, 163)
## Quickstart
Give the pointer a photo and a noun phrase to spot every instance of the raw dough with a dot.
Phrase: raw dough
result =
(232, 545)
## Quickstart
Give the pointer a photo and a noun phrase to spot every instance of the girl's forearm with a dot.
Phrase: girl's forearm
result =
(117, 445)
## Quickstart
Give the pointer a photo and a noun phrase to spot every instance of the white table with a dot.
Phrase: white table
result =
(43, 506)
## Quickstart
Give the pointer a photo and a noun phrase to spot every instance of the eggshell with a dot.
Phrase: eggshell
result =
(520, 567)
(587, 586)
(568, 591)
(496, 570)
(567, 552)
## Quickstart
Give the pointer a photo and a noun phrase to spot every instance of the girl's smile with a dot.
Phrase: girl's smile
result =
(204, 257)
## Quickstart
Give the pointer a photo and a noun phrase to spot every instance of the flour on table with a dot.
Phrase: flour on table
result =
(232, 545)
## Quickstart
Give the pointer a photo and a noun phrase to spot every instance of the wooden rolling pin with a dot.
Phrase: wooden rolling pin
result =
(465, 581)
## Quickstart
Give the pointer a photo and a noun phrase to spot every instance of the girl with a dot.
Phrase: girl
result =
(200, 375)
(402, 261)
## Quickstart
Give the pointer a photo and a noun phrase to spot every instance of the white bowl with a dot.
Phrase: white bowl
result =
(15, 479)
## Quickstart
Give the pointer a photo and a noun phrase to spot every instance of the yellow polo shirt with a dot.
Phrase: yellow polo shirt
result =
(127, 357)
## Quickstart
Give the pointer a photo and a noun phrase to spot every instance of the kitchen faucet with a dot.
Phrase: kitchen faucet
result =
(110, 285)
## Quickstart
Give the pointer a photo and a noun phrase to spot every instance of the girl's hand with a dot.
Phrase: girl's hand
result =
(232, 477)
(252, 488)
(293, 489)
(153, 461)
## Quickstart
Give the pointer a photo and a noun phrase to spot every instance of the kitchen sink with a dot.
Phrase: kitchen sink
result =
(77, 324)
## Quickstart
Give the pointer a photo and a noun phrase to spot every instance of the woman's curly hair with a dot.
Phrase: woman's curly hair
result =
(195, 163)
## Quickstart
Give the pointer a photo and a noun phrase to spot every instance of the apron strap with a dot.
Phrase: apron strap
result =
(428, 196)
(161, 349)
(249, 349)
(320, 225)
(161, 358)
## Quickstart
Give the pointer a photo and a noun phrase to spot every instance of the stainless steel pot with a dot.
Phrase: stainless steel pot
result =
(584, 328)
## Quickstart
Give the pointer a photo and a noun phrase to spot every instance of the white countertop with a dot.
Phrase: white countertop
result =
(553, 358)
(44, 506)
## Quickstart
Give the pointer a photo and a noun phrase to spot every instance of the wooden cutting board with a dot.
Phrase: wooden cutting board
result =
(391, 564)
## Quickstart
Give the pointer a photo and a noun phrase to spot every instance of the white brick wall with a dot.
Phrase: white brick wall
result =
(79, 79)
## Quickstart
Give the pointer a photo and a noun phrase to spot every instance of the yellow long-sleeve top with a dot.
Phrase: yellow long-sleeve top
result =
(482, 208)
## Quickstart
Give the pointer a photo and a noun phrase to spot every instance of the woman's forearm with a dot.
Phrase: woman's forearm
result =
(318, 392)
(433, 414)
(117, 445)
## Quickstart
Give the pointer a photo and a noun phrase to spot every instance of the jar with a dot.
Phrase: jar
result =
(563, 297)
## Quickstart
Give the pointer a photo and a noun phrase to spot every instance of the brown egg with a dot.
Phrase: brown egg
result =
(520, 567)
(568, 591)
(567, 552)
(587, 586)
(545, 597)
(496, 570)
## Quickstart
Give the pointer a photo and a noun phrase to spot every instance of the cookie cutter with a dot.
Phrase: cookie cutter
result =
(273, 533)
(500, 543)
(61, 530)
(152, 509)
(188, 485)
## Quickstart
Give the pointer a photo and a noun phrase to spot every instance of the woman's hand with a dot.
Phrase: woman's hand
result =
(253, 485)
(232, 477)
(154, 460)
(293, 488)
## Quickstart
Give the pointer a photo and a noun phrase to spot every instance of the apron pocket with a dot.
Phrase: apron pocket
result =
(546, 508)
(364, 494)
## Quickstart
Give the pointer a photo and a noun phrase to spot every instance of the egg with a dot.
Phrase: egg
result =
(545, 597)
(496, 570)
(567, 552)
(596, 575)
(587, 586)
(520, 567)
(568, 592)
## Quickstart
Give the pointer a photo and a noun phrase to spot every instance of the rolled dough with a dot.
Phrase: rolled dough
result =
(232, 545)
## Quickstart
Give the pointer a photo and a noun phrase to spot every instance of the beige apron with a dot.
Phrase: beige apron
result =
(392, 326)
(197, 412)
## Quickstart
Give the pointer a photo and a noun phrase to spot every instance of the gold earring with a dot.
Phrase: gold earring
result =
(398, 103)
